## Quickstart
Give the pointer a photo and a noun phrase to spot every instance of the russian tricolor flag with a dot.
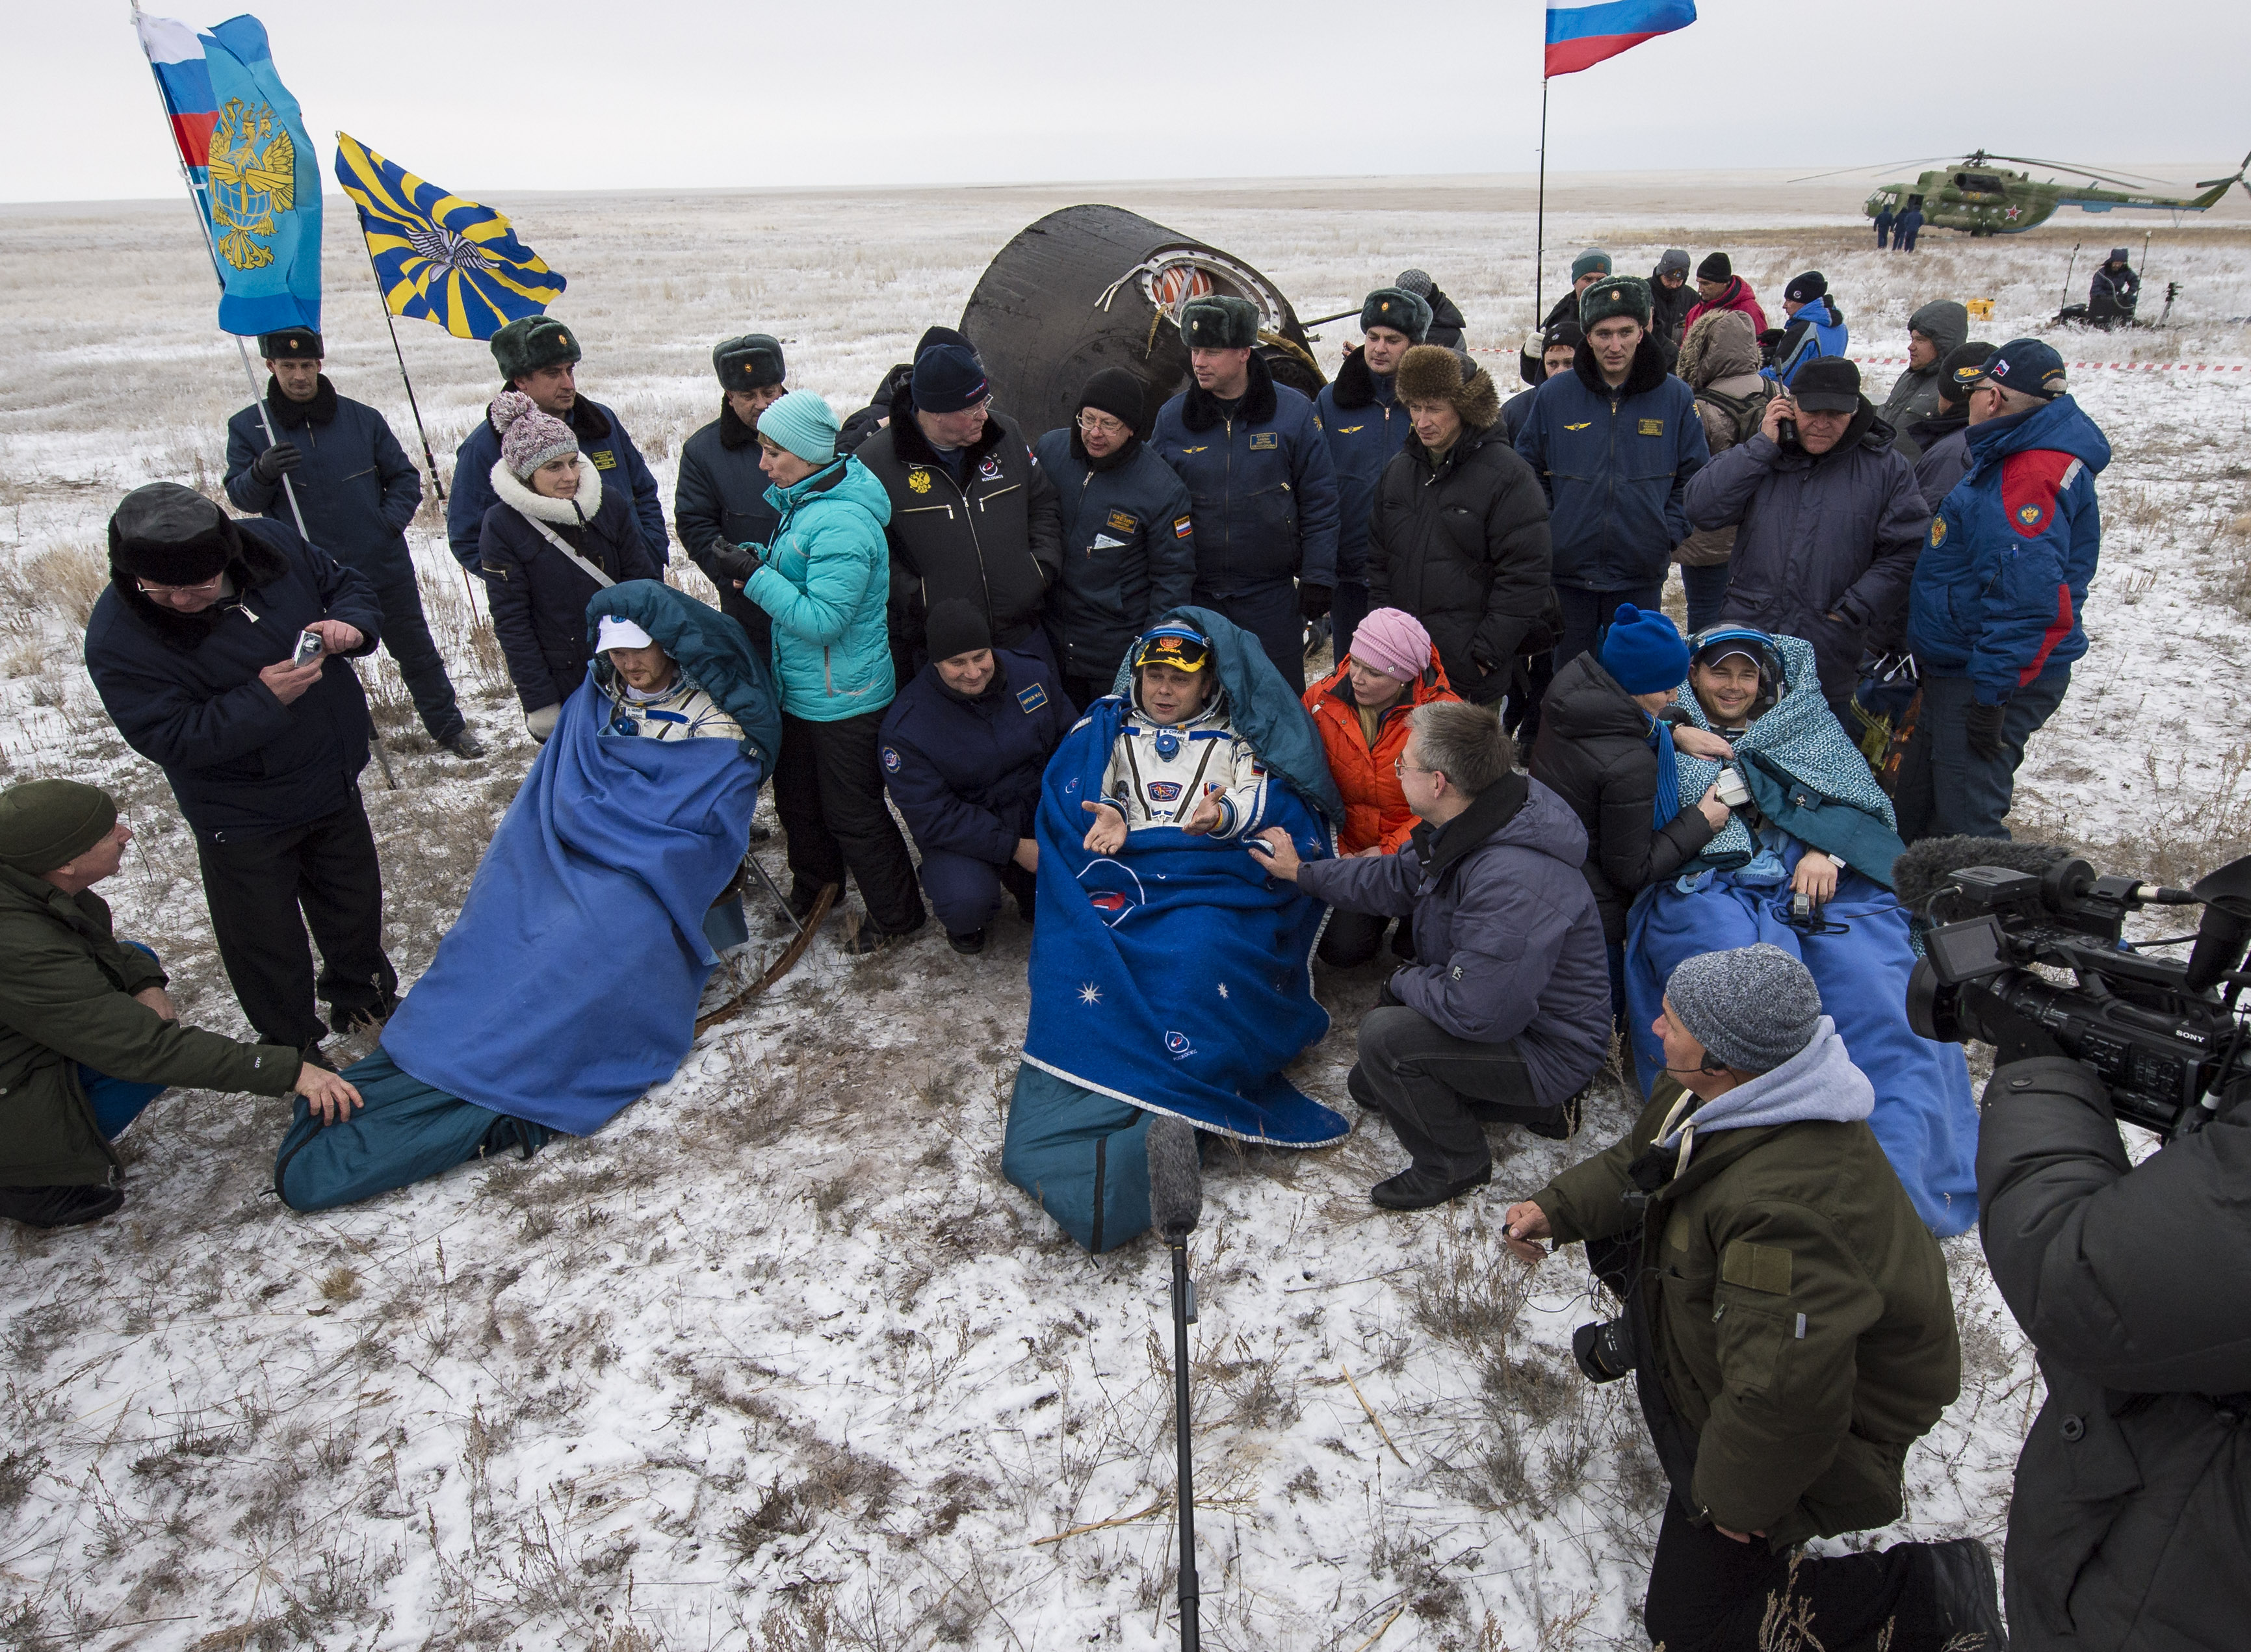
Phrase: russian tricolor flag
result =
(177, 57)
(1580, 33)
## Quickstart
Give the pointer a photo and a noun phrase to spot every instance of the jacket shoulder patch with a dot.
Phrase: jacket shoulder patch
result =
(1761, 1268)
(2030, 482)
(1183, 526)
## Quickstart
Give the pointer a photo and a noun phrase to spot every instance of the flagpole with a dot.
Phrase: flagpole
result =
(202, 210)
(1539, 231)
(392, 322)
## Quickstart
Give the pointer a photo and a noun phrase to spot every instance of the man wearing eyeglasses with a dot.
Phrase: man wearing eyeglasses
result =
(973, 515)
(1128, 544)
(192, 648)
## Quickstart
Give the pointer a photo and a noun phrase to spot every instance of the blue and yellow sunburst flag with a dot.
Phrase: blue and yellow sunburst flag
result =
(438, 257)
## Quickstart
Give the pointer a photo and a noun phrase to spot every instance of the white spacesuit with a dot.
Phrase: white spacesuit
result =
(1157, 772)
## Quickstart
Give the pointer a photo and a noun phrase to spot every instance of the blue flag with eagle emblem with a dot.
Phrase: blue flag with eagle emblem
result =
(438, 257)
(256, 174)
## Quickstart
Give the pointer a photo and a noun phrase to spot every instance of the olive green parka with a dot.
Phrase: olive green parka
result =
(66, 987)
(1795, 1318)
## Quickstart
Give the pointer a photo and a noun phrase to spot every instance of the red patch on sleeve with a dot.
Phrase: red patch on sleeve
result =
(2030, 482)
(2058, 629)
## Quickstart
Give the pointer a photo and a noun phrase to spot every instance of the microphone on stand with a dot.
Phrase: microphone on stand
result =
(1175, 1207)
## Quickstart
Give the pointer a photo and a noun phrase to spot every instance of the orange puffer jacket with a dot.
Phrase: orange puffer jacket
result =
(1375, 812)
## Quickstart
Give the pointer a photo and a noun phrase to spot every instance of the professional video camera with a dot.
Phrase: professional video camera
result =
(2166, 1038)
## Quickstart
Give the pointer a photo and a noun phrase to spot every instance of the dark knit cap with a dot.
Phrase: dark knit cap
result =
(947, 376)
(1219, 323)
(291, 344)
(955, 626)
(1398, 309)
(1963, 366)
(1563, 333)
(1803, 289)
(1828, 384)
(1644, 652)
(1715, 267)
(1675, 260)
(750, 362)
(1117, 392)
(530, 342)
(1593, 261)
(45, 824)
(1753, 1008)
(1626, 295)
(170, 535)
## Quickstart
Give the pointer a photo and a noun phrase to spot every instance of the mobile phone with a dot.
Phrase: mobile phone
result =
(308, 649)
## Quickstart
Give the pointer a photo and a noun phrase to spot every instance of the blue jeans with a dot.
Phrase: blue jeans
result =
(1707, 590)
(118, 1101)
(1969, 793)
(1587, 615)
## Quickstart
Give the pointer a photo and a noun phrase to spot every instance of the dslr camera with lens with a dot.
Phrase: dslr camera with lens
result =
(1605, 1351)
(2167, 1038)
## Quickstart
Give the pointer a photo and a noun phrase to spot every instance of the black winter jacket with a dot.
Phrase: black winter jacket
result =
(1446, 323)
(357, 488)
(1128, 550)
(722, 495)
(184, 688)
(994, 539)
(1837, 534)
(1463, 549)
(1593, 751)
(2130, 1529)
(538, 597)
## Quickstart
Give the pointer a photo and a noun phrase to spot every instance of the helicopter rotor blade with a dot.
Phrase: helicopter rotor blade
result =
(1880, 165)
(2128, 181)
(2237, 179)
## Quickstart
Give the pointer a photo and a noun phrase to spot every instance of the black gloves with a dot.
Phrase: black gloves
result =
(1313, 600)
(276, 462)
(1983, 723)
(735, 561)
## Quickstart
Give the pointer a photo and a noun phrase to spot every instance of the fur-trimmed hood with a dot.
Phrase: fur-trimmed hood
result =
(563, 513)
(1200, 411)
(253, 563)
(1433, 373)
(1647, 372)
(1723, 344)
(1356, 385)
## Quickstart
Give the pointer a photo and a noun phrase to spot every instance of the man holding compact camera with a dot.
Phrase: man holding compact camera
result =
(220, 651)
(1787, 1319)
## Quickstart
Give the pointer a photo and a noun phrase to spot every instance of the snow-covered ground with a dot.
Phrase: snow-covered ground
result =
(779, 1360)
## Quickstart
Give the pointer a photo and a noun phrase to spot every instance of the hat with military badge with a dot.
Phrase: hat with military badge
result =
(291, 344)
(2024, 365)
(1219, 322)
(1398, 309)
(750, 362)
(1626, 295)
(531, 343)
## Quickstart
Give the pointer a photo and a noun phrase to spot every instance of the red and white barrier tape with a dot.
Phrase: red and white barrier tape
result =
(1901, 361)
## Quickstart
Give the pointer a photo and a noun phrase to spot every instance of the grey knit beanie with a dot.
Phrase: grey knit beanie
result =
(1754, 1007)
(529, 437)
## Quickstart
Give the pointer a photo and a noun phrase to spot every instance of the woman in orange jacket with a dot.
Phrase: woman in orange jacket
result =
(1360, 708)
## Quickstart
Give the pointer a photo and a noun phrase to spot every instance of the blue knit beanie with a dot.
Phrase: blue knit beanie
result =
(804, 423)
(948, 377)
(1644, 652)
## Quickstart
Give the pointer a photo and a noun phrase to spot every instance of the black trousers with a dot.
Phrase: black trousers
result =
(406, 638)
(829, 792)
(1353, 938)
(1268, 611)
(1709, 1593)
(264, 891)
(1439, 1091)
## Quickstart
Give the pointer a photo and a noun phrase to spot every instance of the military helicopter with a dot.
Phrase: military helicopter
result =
(1977, 197)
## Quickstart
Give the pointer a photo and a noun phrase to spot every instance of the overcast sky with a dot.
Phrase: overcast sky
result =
(486, 98)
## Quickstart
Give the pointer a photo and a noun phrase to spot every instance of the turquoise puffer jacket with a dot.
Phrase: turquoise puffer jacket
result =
(826, 582)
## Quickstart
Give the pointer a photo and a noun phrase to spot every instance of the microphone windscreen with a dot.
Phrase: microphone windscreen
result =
(1928, 865)
(1175, 1178)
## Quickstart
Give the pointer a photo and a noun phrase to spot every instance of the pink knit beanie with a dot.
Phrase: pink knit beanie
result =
(529, 437)
(1393, 642)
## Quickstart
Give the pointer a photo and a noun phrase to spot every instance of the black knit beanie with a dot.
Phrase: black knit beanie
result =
(1117, 392)
(955, 626)
(1715, 267)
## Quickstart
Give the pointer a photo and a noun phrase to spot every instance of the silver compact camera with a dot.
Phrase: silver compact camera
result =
(308, 649)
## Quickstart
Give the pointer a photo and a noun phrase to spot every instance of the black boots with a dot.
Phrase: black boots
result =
(1416, 1188)
(58, 1206)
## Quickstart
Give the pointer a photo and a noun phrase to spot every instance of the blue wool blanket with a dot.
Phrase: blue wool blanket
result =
(569, 984)
(1174, 975)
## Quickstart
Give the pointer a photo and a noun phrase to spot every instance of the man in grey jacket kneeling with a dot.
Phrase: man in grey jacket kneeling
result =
(1505, 1013)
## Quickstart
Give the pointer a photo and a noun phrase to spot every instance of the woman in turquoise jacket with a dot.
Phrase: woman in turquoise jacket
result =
(826, 579)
